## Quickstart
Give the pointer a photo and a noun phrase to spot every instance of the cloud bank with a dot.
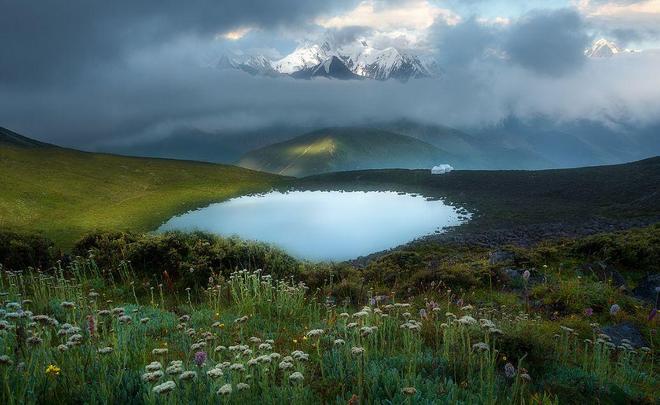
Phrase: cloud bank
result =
(123, 76)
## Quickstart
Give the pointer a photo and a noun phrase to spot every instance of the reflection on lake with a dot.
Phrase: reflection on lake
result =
(323, 225)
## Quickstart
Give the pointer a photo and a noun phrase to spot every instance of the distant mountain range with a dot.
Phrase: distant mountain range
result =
(510, 144)
(359, 60)
(356, 60)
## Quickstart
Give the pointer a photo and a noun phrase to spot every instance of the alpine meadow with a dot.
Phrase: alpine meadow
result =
(350, 202)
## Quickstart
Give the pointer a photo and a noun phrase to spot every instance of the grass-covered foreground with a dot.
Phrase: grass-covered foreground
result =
(168, 319)
(65, 193)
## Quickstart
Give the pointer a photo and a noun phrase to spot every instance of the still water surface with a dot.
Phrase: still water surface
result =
(323, 225)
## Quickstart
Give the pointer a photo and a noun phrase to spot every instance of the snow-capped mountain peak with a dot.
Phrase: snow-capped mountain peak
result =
(359, 60)
(252, 64)
(602, 48)
(304, 57)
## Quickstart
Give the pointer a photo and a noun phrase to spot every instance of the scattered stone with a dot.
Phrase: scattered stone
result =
(625, 330)
(646, 289)
(500, 257)
(605, 273)
(513, 274)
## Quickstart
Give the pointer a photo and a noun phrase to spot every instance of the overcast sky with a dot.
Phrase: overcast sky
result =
(89, 72)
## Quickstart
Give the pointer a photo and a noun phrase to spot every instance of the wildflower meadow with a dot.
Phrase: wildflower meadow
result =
(80, 334)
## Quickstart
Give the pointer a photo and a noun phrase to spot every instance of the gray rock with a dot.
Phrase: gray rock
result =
(605, 273)
(625, 330)
(500, 257)
(646, 289)
(513, 274)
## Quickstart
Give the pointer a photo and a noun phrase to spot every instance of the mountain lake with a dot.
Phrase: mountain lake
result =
(324, 225)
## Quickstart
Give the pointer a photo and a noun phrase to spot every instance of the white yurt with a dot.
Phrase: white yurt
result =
(441, 169)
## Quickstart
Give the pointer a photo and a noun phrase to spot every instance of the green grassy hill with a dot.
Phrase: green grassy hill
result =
(341, 149)
(64, 192)
(11, 138)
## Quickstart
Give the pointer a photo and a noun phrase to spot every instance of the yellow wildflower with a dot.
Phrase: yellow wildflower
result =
(53, 370)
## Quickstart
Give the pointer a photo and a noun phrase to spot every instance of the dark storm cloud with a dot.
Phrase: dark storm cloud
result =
(548, 42)
(627, 36)
(54, 40)
(94, 75)
(346, 35)
(156, 94)
(461, 44)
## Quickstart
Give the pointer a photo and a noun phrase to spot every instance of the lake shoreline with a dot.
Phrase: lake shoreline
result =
(525, 236)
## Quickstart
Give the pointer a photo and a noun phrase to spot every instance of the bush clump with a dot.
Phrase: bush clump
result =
(192, 257)
(20, 251)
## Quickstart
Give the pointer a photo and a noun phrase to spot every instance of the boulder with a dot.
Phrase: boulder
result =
(513, 274)
(647, 289)
(500, 257)
(625, 330)
(605, 273)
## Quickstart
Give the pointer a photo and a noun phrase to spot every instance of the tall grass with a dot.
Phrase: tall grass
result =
(82, 334)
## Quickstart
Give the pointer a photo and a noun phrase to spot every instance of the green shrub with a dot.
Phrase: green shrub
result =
(574, 386)
(20, 251)
(187, 257)
(637, 249)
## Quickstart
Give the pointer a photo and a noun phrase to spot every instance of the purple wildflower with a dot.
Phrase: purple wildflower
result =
(509, 370)
(614, 309)
(200, 358)
(588, 311)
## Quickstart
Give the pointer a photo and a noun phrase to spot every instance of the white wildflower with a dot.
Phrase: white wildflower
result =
(296, 377)
(188, 375)
(225, 389)
(357, 351)
(165, 387)
(152, 376)
(467, 320)
(315, 333)
(285, 365)
(214, 373)
(153, 366)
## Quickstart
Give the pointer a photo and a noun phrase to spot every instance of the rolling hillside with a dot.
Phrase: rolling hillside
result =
(11, 138)
(342, 149)
(64, 193)
(483, 152)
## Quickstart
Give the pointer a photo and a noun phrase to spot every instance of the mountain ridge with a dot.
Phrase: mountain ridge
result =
(9, 137)
(358, 57)
(341, 149)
